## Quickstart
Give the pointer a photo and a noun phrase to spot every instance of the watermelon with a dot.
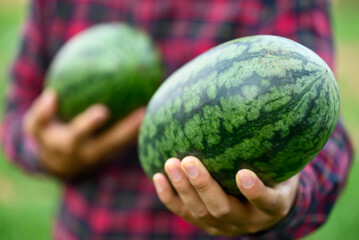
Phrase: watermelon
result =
(109, 63)
(263, 102)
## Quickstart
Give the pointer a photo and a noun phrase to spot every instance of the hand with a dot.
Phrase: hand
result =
(201, 201)
(70, 149)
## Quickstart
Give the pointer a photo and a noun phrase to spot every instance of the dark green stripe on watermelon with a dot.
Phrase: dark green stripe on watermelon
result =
(265, 103)
(110, 63)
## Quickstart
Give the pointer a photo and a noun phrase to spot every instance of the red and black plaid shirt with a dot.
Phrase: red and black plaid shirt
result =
(119, 201)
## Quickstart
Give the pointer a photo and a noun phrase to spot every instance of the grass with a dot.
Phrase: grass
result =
(345, 20)
(28, 203)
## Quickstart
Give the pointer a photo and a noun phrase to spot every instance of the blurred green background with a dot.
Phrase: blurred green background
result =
(28, 203)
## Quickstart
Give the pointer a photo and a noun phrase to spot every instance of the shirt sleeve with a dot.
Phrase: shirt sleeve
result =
(324, 178)
(26, 80)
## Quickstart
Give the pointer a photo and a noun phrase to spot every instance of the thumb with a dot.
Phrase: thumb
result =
(41, 112)
(264, 198)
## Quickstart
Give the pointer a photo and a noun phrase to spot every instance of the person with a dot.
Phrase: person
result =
(106, 195)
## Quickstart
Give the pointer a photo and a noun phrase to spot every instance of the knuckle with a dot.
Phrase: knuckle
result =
(255, 196)
(222, 212)
(202, 184)
(251, 229)
(170, 204)
(202, 214)
(274, 201)
(59, 142)
(183, 212)
(282, 213)
(278, 207)
(183, 189)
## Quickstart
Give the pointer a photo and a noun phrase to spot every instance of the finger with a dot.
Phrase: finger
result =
(169, 198)
(218, 203)
(186, 192)
(117, 137)
(64, 138)
(264, 198)
(174, 203)
(87, 122)
(42, 111)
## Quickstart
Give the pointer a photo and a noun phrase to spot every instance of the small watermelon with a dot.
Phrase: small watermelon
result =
(109, 63)
(264, 103)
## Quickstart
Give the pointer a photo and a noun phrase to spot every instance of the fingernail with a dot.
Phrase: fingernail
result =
(191, 170)
(158, 184)
(175, 174)
(246, 180)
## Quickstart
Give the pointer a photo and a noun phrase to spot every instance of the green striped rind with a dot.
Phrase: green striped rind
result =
(109, 63)
(264, 102)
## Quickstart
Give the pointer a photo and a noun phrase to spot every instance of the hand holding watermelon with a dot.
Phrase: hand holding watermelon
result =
(201, 200)
(70, 149)
(263, 104)
(100, 77)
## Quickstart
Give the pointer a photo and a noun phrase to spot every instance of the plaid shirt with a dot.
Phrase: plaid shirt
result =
(118, 201)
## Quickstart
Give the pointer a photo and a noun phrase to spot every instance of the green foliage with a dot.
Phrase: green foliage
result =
(27, 204)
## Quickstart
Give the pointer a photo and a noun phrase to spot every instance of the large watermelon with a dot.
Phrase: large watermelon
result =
(110, 63)
(265, 103)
